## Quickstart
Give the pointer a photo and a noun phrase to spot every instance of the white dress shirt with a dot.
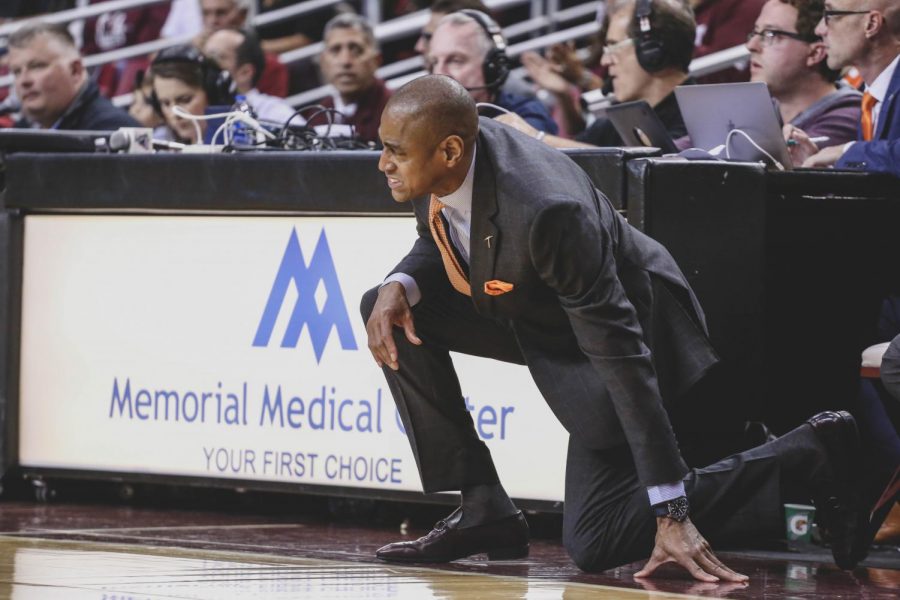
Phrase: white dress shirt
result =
(272, 108)
(879, 89)
(458, 211)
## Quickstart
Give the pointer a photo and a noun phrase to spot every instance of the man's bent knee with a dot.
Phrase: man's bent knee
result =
(594, 549)
(586, 555)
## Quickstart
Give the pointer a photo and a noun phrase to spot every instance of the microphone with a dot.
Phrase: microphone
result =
(607, 88)
(491, 85)
(138, 140)
(496, 83)
(480, 87)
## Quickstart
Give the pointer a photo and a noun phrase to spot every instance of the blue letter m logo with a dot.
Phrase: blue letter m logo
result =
(307, 279)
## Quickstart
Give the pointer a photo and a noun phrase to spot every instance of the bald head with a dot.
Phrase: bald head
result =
(428, 131)
(438, 105)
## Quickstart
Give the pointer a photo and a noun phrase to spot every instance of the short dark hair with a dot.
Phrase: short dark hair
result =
(182, 63)
(809, 13)
(22, 36)
(250, 52)
(673, 23)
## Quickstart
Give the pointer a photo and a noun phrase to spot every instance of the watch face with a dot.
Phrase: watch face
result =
(678, 509)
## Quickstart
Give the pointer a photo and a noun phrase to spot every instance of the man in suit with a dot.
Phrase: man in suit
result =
(864, 34)
(519, 258)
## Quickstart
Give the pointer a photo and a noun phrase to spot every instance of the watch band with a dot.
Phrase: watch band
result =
(676, 509)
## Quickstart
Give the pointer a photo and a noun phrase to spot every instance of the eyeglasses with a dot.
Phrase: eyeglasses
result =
(614, 49)
(768, 36)
(828, 14)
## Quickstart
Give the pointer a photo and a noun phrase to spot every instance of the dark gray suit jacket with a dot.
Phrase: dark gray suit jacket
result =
(591, 296)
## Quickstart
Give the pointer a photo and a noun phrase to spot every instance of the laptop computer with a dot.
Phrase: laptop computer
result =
(723, 118)
(638, 125)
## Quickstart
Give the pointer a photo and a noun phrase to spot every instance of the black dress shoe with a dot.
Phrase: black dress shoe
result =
(504, 539)
(838, 501)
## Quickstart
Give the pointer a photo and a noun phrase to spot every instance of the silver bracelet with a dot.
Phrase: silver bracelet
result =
(540, 135)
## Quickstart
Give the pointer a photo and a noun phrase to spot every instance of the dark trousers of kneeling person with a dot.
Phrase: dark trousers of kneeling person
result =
(608, 520)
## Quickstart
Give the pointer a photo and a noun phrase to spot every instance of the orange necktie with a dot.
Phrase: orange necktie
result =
(455, 272)
(868, 117)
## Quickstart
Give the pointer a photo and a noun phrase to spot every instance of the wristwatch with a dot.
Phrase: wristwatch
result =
(676, 509)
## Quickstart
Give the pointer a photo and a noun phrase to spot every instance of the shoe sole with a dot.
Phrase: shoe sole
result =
(511, 553)
(851, 442)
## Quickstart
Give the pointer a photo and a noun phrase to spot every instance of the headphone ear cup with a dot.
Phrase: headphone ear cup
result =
(651, 54)
(649, 48)
(218, 85)
(495, 68)
(153, 100)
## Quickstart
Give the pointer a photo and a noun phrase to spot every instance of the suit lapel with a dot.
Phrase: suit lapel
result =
(889, 107)
(485, 236)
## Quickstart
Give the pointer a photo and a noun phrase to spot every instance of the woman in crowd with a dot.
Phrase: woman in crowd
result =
(183, 77)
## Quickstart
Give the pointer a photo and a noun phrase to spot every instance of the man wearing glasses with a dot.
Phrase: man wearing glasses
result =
(673, 23)
(866, 35)
(787, 55)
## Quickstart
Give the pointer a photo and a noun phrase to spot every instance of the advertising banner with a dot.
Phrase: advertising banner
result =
(232, 347)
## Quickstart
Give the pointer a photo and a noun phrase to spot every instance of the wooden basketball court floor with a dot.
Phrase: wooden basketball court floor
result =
(110, 551)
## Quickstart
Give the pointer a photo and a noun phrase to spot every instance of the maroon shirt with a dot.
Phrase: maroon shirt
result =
(368, 112)
(120, 29)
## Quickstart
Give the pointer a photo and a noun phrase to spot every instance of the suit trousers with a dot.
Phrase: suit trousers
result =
(608, 520)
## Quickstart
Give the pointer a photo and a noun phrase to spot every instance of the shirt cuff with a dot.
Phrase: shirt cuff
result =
(413, 295)
(665, 492)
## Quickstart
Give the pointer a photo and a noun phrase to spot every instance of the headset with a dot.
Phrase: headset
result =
(650, 48)
(496, 63)
(216, 82)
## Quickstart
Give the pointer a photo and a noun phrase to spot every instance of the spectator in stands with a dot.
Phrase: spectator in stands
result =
(469, 47)
(222, 14)
(240, 53)
(633, 78)
(438, 10)
(867, 36)
(790, 58)
(349, 61)
(561, 73)
(120, 29)
(183, 77)
(184, 19)
(723, 24)
(219, 14)
(52, 83)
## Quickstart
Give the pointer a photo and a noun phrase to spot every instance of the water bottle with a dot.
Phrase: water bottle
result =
(241, 133)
